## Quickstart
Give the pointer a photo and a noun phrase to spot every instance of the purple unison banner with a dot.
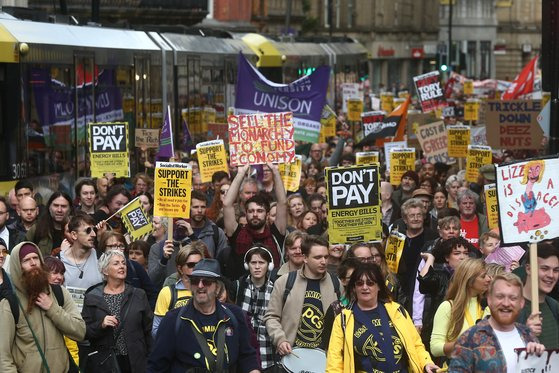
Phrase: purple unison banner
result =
(305, 97)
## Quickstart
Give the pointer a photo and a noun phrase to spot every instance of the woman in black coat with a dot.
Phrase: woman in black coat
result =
(118, 318)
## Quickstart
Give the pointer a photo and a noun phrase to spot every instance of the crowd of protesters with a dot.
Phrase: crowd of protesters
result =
(251, 278)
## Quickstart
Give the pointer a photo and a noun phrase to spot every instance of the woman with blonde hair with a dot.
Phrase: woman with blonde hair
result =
(179, 293)
(462, 307)
(296, 208)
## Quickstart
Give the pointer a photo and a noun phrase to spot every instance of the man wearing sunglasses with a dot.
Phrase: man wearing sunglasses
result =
(79, 258)
(204, 335)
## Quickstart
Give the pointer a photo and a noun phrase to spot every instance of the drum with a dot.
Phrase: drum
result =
(305, 360)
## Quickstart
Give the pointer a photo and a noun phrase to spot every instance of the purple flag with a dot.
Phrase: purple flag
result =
(186, 138)
(166, 138)
(305, 97)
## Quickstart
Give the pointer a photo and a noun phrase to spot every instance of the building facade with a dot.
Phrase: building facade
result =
(474, 34)
(519, 35)
(400, 35)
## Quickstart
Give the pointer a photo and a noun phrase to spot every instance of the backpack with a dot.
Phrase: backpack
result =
(292, 276)
(11, 297)
(174, 297)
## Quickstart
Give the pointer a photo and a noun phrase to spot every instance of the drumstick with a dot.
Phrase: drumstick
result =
(294, 354)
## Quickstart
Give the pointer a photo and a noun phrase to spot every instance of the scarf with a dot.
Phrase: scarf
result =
(248, 237)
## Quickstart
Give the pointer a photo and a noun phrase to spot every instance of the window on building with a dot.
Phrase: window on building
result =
(485, 63)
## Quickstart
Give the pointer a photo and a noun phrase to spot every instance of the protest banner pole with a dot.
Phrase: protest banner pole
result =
(170, 229)
(534, 277)
(120, 209)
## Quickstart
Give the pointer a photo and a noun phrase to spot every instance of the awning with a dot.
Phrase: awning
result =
(8, 46)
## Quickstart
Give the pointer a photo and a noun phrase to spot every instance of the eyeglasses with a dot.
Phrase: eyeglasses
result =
(205, 281)
(118, 246)
(376, 256)
(366, 259)
(191, 264)
(369, 283)
(88, 230)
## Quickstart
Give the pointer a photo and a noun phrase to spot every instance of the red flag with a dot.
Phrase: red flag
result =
(523, 83)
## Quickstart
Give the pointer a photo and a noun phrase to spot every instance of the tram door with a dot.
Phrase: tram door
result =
(86, 78)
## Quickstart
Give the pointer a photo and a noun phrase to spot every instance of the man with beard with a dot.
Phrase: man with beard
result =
(86, 193)
(80, 259)
(489, 345)
(408, 183)
(10, 236)
(545, 324)
(202, 228)
(42, 323)
(205, 335)
(48, 232)
(257, 230)
(300, 299)
(28, 211)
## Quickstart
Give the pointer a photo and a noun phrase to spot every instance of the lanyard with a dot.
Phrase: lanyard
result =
(384, 341)
(468, 316)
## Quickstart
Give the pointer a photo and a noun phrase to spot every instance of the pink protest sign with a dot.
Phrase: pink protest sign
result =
(261, 138)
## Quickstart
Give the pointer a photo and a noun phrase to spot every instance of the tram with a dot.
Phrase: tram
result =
(56, 78)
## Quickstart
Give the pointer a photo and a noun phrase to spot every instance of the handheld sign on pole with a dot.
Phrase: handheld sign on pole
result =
(173, 185)
(366, 157)
(108, 147)
(394, 249)
(136, 221)
(387, 101)
(291, 174)
(429, 91)
(513, 124)
(353, 204)
(458, 140)
(491, 206)
(211, 159)
(261, 138)
(477, 157)
(433, 141)
(528, 197)
(402, 160)
(354, 109)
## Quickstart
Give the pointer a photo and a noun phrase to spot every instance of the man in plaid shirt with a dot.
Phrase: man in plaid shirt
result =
(253, 294)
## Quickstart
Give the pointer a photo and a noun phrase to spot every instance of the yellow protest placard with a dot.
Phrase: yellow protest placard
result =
(354, 109)
(458, 140)
(401, 161)
(468, 87)
(366, 157)
(471, 110)
(478, 156)
(173, 185)
(135, 219)
(491, 205)
(404, 94)
(353, 204)
(108, 148)
(291, 174)
(327, 124)
(387, 101)
(211, 159)
(394, 249)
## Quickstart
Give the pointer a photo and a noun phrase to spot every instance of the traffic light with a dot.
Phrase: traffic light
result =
(444, 67)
